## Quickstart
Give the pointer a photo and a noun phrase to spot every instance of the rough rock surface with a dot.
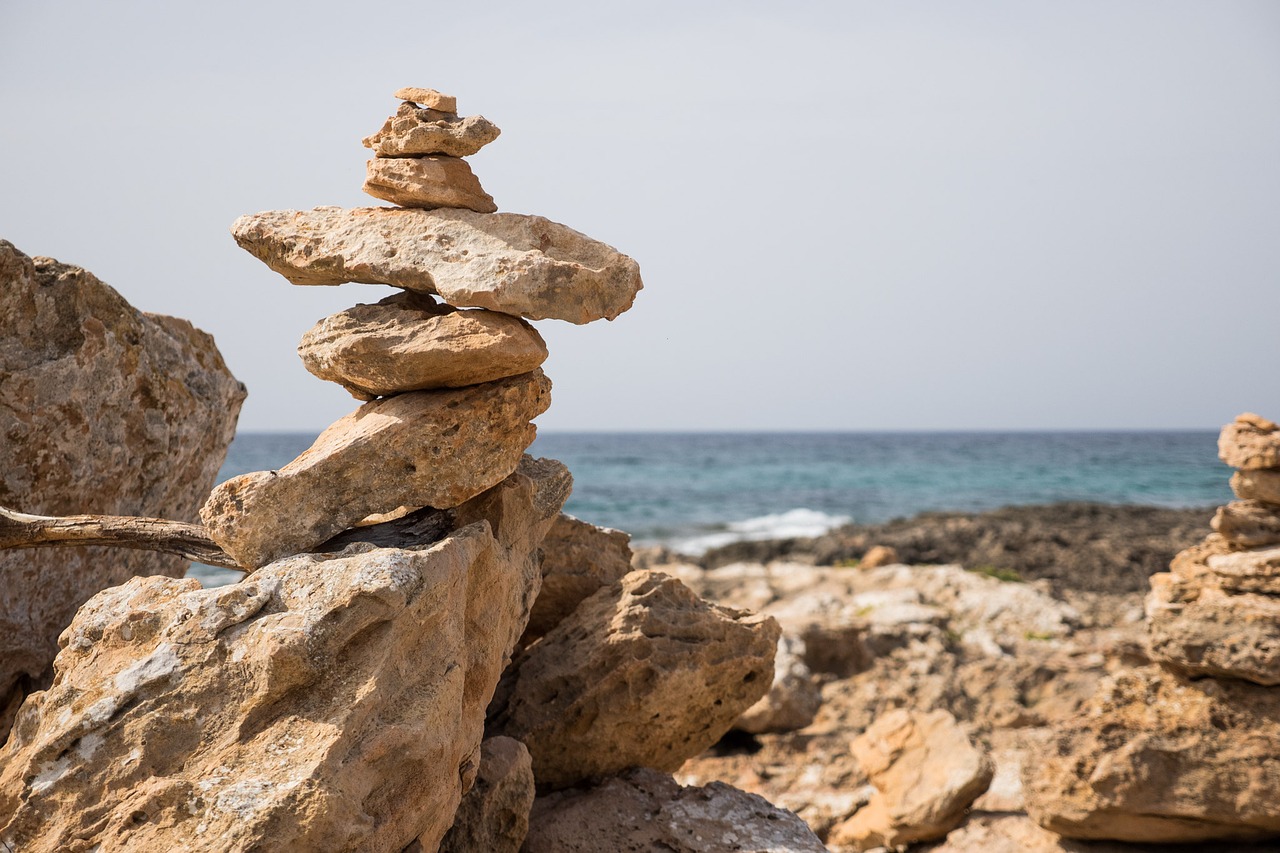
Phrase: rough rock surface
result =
(879, 555)
(428, 98)
(329, 702)
(426, 182)
(926, 774)
(1250, 442)
(409, 342)
(793, 698)
(423, 448)
(1248, 524)
(507, 262)
(494, 815)
(1157, 758)
(413, 132)
(1256, 570)
(103, 409)
(578, 558)
(1261, 485)
(642, 673)
(643, 811)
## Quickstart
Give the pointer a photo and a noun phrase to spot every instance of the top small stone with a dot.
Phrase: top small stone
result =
(428, 98)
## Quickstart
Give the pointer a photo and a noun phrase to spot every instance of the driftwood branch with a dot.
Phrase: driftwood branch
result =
(20, 530)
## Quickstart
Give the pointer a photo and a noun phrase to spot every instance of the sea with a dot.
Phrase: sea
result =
(695, 491)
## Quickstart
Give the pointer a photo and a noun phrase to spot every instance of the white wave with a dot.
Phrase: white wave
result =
(792, 524)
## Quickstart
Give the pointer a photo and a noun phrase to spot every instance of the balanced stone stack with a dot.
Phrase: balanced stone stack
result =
(1190, 750)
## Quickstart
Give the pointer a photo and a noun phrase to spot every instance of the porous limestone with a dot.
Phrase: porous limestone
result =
(578, 558)
(415, 132)
(1250, 442)
(426, 182)
(428, 98)
(494, 814)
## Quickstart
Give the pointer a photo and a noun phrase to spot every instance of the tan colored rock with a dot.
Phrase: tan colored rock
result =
(643, 810)
(1248, 524)
(1248, 571)
(103, 409)
(413, 132)
(494, 815)
(408, 342)
(578, 558)
(329, 702)
(422, 448)
(428, 98)
(506, 262)
(793, 699)
(426, 182)
(1250, 442)
(643, 673)
(877, 556)
(1158, 758)
(926, 774)
(1262, 485)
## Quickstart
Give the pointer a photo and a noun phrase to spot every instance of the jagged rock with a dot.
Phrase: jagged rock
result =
(426, 182)
(1248, 571)
(1260, 485)
(414, 132)
(578, 558)
(408, 342)
(1158, 758)
(422, 448)
(1248, 524)
(328, 702)
(925, 772)
(428, 98)
(507, 262)
(642, 673)
(643, 810)
(494, 815)
(879, 555)
(103, 409)
(793, 699)
(1251, 442)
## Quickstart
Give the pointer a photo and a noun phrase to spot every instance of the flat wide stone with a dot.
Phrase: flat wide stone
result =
(426, 182)
(428, 98)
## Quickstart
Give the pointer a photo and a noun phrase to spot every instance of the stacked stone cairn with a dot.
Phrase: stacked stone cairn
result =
(1188, 750)
(420, 621)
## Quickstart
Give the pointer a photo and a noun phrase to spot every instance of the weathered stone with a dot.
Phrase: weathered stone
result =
(642, 673)
(1262, 484)
(578, 558)
(327, 702)
(408, 342)
(103, 409)
(494, 815)
(1250, 442)
(1248, 571)
(426, 182)
(507, 262)
(1158, 758)
(413, 132)
(926, 773)
(793, 699)
(428, 98)
(422, 448)
(643, 810)
(1248, 524)
(879, 555)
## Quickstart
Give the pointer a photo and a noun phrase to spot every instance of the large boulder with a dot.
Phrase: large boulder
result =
(103, 409)
(329, 702)
(578, 558)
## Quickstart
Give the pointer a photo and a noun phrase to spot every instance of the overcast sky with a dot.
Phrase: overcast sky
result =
(889, 215)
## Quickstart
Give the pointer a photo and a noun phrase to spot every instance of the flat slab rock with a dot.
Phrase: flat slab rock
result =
(416, 131)
(428, 98)
(507, 262)
(409, 342)
(426, 182)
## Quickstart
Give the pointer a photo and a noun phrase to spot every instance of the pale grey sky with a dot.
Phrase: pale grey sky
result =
(849, 215)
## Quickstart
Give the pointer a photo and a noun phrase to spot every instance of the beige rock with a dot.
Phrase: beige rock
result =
(426, 182)
(428, 98)
(578, 558)
(1251, 442)
(926, 773)
(507, 262)
(1157, 758)
(877, 556)
(643, 673)
(793, 699)
(103, 409)
(1248, 571)
(1248, 524)
(1259, 485)
(413, 132)
(408, 342)
(494, 815)
(643, 810)
(422, 448)
(329, 702)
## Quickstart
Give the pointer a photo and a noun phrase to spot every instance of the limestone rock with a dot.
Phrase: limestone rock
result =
(428, 98)
(879, 555)
(1259, 485)
(506, 262)
(426, 182)
(413, 132)
(422, 448)
(1250, 442)
(1248, 571)
(329, 702)
(1157, 758)
(793, 699)
(1248, 524)
(926, 773)
(643, 810)
(494, 815)
(578, 558)
(408, 342)
(103, 409)
(642, 673)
